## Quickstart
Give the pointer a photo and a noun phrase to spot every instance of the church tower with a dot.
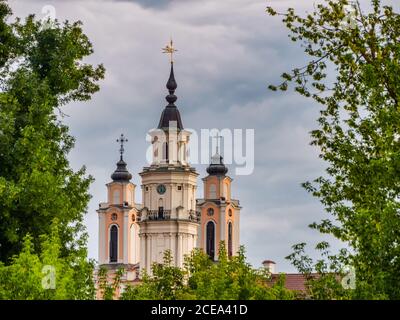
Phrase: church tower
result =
(168, 220)
(118, 229)
(220, 214)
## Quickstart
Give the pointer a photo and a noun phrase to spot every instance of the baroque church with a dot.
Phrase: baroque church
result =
(134, 236)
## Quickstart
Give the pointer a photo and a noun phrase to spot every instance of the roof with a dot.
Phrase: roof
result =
(294, 281)
(170, 116)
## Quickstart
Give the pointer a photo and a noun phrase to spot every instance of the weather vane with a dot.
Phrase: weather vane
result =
(122, 140)
(169, 48)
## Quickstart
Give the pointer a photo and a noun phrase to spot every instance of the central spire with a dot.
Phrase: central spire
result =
(171, 86)
(170, 117)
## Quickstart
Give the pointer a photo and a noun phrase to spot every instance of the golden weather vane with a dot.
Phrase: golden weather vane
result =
(169, 48)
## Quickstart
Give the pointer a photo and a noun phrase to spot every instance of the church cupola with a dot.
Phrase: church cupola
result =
(118, 228)
(121, 174)
(217, 166)
(220, 214)
(168, 218)
(171, 116)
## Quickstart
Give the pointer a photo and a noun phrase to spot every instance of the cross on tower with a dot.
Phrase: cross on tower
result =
(169, 48)
(217, 137)
(122, 140)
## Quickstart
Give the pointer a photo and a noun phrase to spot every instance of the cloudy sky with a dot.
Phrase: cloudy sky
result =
(229, 52)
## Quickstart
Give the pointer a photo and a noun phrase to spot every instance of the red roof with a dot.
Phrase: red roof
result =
(294, 281)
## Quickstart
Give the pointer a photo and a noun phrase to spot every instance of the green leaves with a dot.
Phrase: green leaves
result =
(47, 275)
(41, 70)
(203, 279)
(358, 137)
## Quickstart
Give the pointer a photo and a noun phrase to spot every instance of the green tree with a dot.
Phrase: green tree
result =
(358, 137)
(41, 70)
(107, 284)
(48, 275)
(203, 279)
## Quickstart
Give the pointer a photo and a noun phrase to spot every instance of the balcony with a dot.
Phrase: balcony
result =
(163, 215)
(194, 215)
(159, 215)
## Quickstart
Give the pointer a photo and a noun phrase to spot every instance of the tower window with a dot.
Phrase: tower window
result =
(210, 239)
(179, 188)
(210, 212)
(230, 249)
(114, 217)
(230, 212)
(116, 197)
(213, 191)
(165, 152)
(113, 243)
(225, 190)
(147, 188)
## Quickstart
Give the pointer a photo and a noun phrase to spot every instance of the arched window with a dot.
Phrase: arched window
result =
(114, 243)
(165, 152)
(116, 197)
(230, 249)
(160, 209)
(210, 239)
(213, 191)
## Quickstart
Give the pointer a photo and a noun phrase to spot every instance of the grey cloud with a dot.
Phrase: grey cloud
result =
(229, 51)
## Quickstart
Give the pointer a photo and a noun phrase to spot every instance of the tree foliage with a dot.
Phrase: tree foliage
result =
(48, 275)
(204, 279)
(358, 135)
(41, 70)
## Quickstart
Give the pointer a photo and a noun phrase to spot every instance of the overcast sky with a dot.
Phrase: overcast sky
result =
(229, 52)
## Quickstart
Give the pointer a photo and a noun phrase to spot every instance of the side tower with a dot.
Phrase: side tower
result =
(118, 229)
(168, 220)
(220, 214)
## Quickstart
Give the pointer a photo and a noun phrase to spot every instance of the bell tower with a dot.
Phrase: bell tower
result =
(168, 219)
(118, 228)
(220, 214)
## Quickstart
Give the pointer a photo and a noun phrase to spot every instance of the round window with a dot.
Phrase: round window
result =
(210, 211)
(114, 217)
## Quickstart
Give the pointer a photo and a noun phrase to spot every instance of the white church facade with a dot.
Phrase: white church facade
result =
(134, 236)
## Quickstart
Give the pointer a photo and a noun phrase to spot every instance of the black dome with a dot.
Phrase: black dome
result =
(121, 173)
(217, 167)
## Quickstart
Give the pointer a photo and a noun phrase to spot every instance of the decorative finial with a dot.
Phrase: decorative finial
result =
(121, 141)
(218, 137)
(217, 166)
(169, 48)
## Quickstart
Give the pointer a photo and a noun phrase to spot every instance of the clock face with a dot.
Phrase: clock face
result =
(161, 189)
